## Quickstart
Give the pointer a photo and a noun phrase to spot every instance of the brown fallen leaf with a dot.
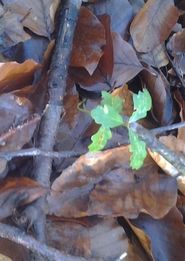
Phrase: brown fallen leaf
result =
(11, 30)
(15, 76)
(156, 58)
(167, 235)
(16, 137)
(18, 191)
(103, 184)
(126, 67)
(37, 16)
(159, 88)
(119, 20)
(153, 24)
(98, 238)
(89, 38)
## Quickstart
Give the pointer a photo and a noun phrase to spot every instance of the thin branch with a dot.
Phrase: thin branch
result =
(54, 109)
(32, 152)
(178, 161)
(18, 236)
(168, 128)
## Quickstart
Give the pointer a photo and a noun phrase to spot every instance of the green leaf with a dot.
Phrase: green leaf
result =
(142, 104)
(107, 116)
(99, 139)
(114, 101)
(138, 150)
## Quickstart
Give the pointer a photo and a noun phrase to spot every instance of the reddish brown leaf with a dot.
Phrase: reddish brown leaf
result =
(153, 24)
(106, 61)
(89, 38)
(16, 137)
(159, 88)
(167, 235)
(126, 67)
(14, 75)
(103, 184)
(98, 238)
(18, 191)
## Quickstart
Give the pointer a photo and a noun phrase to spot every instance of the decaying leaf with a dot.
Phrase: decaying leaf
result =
(98, 238)
(15, 76)
(159, 88)
(103, 184)
(11, 31)
(114, 8)
(88, 39)
(18, 191)
(37, 16)
(153, 24)
(167, 235)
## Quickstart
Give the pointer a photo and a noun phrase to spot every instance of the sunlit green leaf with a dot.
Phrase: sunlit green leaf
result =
(99, 139)
(107, 116)
(138, 150)
(142, 104)
(115, 101)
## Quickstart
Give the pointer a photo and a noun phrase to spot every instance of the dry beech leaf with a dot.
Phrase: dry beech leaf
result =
(11, 30)
(103, 184)
(159, 88)
(15, 252)
(156, 58)
(18, 191)
(93, 237)
(89, 38)
(177, 42)
(167, 235)
(153, 24)
(16, 137)
(16, 75)
(126, 67)
(126, 63)
(114, 8)
(107, 60)
(38, 16)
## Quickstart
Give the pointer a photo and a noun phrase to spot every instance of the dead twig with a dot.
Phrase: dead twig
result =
(54, 109)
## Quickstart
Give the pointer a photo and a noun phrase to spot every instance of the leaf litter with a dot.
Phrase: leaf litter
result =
(97, 205)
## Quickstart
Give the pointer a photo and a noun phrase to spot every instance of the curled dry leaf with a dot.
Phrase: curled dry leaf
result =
(167, 235)
(16, 75)
(18, 191)
(159, 88)
(89, 38)
(38, 16)
(153, 24)
(93, 237)
(103, 184)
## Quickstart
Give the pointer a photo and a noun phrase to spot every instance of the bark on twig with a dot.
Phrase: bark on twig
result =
(178, 161)
(54, 109)
(18, 236)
